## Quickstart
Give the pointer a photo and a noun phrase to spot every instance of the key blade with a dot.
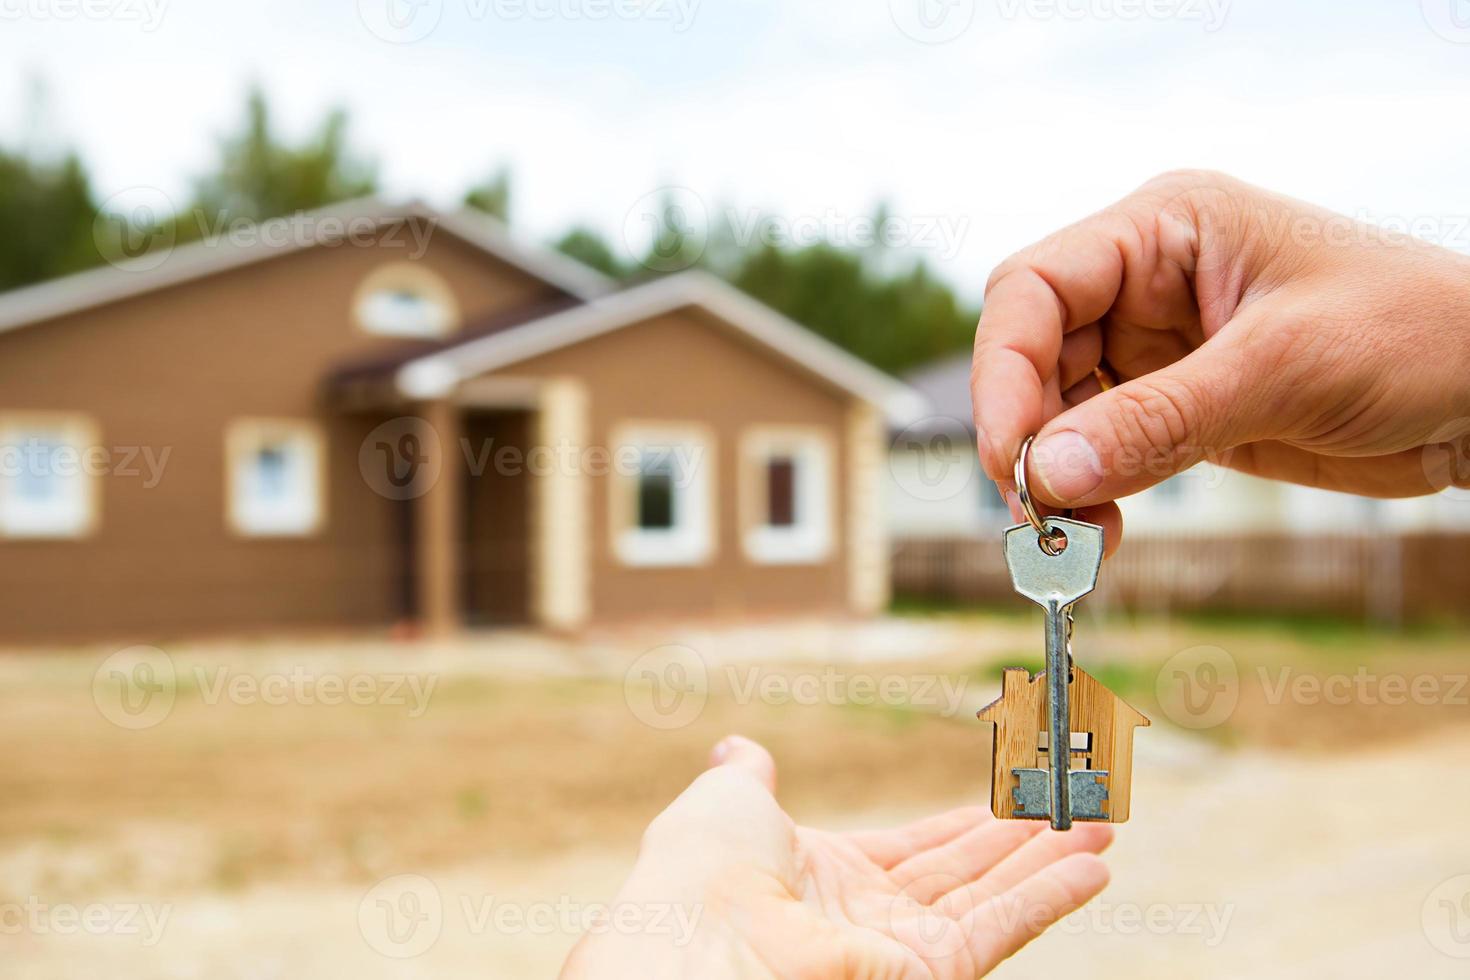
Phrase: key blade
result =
(1060, 579)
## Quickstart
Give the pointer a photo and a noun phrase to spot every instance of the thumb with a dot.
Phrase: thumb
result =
(1142, 432)
(741, 753)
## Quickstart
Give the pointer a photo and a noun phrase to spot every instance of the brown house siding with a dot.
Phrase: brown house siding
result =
(170, 371)
(689, 368)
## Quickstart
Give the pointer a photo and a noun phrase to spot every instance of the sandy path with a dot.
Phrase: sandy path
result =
(1236, 864)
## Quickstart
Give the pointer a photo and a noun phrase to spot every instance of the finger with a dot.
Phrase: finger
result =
(1065, 282)
(1046, 848)
(1081, 354)
(1110, 518)
(748, 756)
(726, 817)
(999, 928)
(886, 848)
(1088, 387)
(1136, 260)
(1412, 473)
(1146, 430)
(929, 874)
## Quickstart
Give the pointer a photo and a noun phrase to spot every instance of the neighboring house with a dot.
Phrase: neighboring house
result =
(344, 432)
(936, 488)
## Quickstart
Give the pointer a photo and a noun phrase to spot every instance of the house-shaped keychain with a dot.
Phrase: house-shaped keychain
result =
(1101, 753)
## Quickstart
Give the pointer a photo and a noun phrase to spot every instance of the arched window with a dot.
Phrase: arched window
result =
(405, 300)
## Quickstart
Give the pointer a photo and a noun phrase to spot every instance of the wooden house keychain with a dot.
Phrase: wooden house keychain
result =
(1063, 741)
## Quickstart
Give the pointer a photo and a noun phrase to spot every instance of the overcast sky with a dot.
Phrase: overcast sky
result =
(985, 123)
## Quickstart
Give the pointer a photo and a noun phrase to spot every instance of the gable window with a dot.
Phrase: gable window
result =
(663, 513)
(788, 496)
(405, 299)
(46, 488)
(275, 478)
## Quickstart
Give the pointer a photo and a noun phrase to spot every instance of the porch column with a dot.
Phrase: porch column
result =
(867, 531)
(438, 524)
(562, 523)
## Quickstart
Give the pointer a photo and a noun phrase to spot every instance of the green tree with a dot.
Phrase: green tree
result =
(259, 176)
(894, 320)
(493, 196)
(48, 212)
(591, 249)
(877, 301)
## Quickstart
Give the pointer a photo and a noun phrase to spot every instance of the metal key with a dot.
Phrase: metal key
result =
(1054, 567)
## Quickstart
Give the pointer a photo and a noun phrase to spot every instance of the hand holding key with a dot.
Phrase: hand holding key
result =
(1239, 326)
(1054, 562)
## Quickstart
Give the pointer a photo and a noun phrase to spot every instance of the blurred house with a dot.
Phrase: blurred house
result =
(1207, 538)
(398, 415)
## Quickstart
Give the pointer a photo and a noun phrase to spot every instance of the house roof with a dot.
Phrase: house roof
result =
(589, 306)
(108, 284)
(427, 375)
(945, 387)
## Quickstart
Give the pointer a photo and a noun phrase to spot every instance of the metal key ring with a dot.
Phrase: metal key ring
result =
(1053, 540)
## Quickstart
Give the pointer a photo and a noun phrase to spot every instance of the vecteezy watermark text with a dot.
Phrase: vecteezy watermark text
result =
(137, 229)
(402, 459)
(1210, 14)
(670, 229)
(403, 916)
(667, 687)
(1365, 687)
(37, 917)
(147, 14)
(40, 459)
(137, 688)
(410, 21)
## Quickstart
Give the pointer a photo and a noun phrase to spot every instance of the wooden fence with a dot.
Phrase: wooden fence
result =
(1386, 578)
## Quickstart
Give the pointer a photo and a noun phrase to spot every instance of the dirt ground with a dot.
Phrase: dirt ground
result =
(1299, 814)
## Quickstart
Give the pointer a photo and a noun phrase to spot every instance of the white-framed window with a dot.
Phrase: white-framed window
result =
(788, 492)
(47, 489)
(275, 478)
(405, 299)
(663, 495)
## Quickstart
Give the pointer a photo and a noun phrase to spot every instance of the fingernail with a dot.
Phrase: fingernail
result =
(1013, 501)
(721, 752)
(1066, 465)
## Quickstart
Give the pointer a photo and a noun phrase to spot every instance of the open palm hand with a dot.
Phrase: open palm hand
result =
(947, 897)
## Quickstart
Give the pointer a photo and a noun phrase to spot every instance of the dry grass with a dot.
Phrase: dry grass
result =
(515, 761)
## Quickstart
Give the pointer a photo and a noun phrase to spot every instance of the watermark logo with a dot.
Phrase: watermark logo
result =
(401, 459)
(136, 688)
(1446, 917)
(134, 229)
(668, 229)
(934, 459)
(400, 21)
(932, 21)
(401, 917)
(667, 687)
(927, 915)
(1450, 19)
(1199, 688)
